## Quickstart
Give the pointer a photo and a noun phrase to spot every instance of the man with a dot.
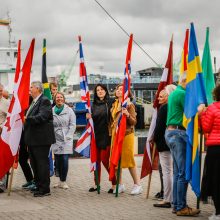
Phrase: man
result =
(38, 136)
(5, 94)
(4, 105)
(176, 139)
(53, 90)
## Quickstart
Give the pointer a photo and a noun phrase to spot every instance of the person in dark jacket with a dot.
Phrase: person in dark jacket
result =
(210, 121)
(38, 136)
(163, 149)
(101, 115)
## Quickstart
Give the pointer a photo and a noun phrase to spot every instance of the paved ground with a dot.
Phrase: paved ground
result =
(78, 203)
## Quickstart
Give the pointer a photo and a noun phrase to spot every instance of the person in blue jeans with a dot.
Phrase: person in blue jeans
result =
(176, 139)
(64, 121)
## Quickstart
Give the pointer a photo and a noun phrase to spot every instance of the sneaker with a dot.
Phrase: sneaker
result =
(64, 185)
(31, 187)
(159, 196)
(214, 217)
(27, 184)
(56, 185)
(121, 189)
(187, 211)
(137, 189)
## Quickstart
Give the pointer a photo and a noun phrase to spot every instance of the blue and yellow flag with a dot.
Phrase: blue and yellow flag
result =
(195, 95)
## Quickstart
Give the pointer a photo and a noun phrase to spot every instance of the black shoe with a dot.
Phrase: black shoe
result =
(41, 194)
(111, 191)
(1, 190)
(92, 189)
(163, 205)
(35, 189)
(159, 196)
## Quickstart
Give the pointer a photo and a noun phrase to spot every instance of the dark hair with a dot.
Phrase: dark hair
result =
(130, 95)
(96, 98)
(216, 93)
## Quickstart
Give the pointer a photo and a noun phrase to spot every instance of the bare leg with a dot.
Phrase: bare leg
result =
(133, 172)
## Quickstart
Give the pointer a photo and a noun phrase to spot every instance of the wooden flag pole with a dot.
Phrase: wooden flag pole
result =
(118, 177)
(200, 165)
(150, 175)
(10, 180)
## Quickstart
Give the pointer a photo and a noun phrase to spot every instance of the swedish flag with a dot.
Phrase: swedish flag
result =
(195, 95)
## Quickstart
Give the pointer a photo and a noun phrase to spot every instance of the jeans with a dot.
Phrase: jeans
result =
(62, 165)
(3, 182)
(176, 141)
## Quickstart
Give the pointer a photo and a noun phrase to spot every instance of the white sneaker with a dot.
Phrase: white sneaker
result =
(137, 189)
(121, 189)
(214, 217)
(56, 185)
(64, 185)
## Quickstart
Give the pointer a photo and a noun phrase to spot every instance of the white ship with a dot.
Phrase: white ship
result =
(8, 55)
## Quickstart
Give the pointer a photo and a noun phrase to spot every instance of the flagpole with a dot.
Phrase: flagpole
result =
(10, 179)
(150, 175)
(118, 177)
(200, 165)
(97, 179)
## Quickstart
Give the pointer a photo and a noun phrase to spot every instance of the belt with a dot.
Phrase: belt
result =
(179, 127)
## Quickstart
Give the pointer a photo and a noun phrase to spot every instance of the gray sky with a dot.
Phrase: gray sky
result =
(151, 21)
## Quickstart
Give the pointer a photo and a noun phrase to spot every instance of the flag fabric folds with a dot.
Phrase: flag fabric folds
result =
(86, 145)
(184, 56)
(207, 70)
(12, 129)
(195, 95)
(121, 126)
(166, 79)
(47, 93)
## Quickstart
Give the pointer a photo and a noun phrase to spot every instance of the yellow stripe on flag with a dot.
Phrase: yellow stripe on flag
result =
(46, 85)
(195, 138)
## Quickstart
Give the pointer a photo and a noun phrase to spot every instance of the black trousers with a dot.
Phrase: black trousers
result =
(23, 160)
(40, 165)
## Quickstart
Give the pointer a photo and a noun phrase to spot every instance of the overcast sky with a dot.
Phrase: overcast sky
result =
(151, 21)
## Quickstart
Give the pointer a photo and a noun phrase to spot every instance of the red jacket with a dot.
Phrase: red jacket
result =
(211, 124)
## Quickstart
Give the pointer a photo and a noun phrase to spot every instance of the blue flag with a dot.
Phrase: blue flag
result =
(195, 95)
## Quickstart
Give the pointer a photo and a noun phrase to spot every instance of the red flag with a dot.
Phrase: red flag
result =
(11, 133)
(121, 127)
(166, 79)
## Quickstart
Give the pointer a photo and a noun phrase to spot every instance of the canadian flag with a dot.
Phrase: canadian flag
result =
(12, 129)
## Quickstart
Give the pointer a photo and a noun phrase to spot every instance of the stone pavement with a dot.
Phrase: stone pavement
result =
(78, 203)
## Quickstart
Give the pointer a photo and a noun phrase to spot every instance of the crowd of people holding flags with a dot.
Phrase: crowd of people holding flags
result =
(180, 112)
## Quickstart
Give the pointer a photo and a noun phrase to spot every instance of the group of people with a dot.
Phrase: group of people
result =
(52, 125)
(105, 115)
(170, 138)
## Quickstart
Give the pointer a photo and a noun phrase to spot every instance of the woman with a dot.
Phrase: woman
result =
(127, 156)
(210, 121)
(100, 115)
(64, 121)
(163, 149)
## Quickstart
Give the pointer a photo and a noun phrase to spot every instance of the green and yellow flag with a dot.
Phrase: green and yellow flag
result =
(44, 73)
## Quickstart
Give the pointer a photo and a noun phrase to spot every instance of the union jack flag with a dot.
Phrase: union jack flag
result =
(86, 144)
(121, 126)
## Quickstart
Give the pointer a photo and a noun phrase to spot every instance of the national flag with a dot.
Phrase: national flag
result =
(86, 145)
(207, 70)
(195, 95)
(47, 93)
(121, 126)
(184, 57)
(12, 129)
(166, 79)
